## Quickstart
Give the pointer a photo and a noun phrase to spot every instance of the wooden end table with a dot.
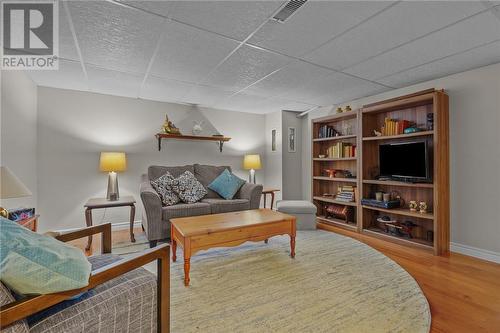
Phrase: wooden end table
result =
(98, 203)
(270, 191)
(30, 223)
(204, 232)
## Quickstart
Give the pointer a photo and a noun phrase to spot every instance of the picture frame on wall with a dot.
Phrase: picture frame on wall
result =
(273, 140)
(292, 140)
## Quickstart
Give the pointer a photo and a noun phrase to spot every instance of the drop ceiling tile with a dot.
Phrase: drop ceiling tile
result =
(158, 7)
(189, 54)
(113, 36)
(67, 47)
(160, 89)
(68, 76)
(243, 103)
(334, 88)
(236, 19)
(478, 57)
(110, 82)
(313, 24)
(296, 74)
(244, 67)
(207, 96)
(474, 31)
(399, 24)
(279, 104)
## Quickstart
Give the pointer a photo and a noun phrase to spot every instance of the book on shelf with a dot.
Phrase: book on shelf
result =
(346, 193)
(327, 131)
(394, 126)
(341, 150)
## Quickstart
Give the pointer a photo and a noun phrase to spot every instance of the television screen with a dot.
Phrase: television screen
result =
(407, 160)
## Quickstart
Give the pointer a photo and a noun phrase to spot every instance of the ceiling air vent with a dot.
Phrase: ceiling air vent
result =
(290, 8)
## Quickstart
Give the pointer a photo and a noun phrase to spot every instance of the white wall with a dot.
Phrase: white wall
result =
(18, 118)
(273, 159)
(474, 151)
(73, 127)
(291, 161)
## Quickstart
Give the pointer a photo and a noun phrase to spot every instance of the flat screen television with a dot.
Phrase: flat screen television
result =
(407, 161)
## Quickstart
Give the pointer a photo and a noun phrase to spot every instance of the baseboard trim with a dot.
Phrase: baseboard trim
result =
(475, 252)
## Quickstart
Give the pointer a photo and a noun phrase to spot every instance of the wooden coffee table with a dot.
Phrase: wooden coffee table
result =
(228, 229)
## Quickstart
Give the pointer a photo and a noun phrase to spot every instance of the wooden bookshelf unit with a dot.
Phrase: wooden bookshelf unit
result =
(431, 229)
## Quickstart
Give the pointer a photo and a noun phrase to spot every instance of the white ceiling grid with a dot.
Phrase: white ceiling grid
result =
(230, 55)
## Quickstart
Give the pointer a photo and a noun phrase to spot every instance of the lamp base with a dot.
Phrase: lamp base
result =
(113, 194)
(251, 176)
(4, 212)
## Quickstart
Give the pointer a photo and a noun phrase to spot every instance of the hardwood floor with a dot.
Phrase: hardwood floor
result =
(463, 292)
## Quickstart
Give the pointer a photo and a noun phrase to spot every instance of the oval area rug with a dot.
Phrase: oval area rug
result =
(334, 284)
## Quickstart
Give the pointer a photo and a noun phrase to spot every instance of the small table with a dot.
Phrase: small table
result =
(270, 191)
(204, 232)
(30, 223)
(98, 203)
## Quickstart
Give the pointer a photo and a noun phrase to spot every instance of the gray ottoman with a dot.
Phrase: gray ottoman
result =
(304, 211)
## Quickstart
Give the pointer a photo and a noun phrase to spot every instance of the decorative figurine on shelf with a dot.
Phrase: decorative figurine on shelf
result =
(348, 108)
(339, 110)
(430, 121)
(413, 205)
(422, 207)
(331, 173)
(169, 127)
(377, 133)
(197, 129)
(347, 128)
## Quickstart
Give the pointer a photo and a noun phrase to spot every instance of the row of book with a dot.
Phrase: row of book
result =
(327, 131)
(394, 126)
(341, 149)
(346, 193)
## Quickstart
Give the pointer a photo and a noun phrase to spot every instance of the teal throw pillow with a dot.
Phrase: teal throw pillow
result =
(31, 263)
(226, 184)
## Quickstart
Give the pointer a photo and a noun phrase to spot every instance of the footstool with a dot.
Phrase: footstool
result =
(304, 211)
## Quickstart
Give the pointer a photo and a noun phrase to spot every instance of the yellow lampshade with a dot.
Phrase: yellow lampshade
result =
(252, 162)
(11, 186)
(113, 161)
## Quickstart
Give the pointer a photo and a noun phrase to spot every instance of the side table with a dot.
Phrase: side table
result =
(31, 223)
(98, 203)
(270, 191)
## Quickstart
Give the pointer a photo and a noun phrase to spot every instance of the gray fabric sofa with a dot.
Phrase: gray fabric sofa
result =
(156, 218)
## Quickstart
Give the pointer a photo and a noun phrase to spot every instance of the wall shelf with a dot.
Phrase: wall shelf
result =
(327, 159)
(396, 183)
(219, 139)
(332, 200)
(399, 136)
(335, 138)
(340, 180)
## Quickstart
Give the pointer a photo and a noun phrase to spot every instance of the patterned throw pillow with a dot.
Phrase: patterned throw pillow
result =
(188, 188)
(163, 186)
(226, 184)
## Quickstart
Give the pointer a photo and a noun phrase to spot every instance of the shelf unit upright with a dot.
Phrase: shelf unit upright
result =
(433, 226)
(321, 182)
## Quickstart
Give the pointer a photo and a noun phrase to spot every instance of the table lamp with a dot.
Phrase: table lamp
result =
(113, 162)
(252, 163)
(10, 187)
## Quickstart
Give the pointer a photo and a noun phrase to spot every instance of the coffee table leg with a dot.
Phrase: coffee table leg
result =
(132, 218)
(187, 266)
(88, 221)
(292, 246)
(187, 260)
(174, 245)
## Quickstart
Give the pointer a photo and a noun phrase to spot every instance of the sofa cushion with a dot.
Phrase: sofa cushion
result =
(184, 210)
(224, 206)
(156, 171)
(163, 186)
(188, 188)
(20, 326)
(206, 174)
(226, 184)
(31, 263)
